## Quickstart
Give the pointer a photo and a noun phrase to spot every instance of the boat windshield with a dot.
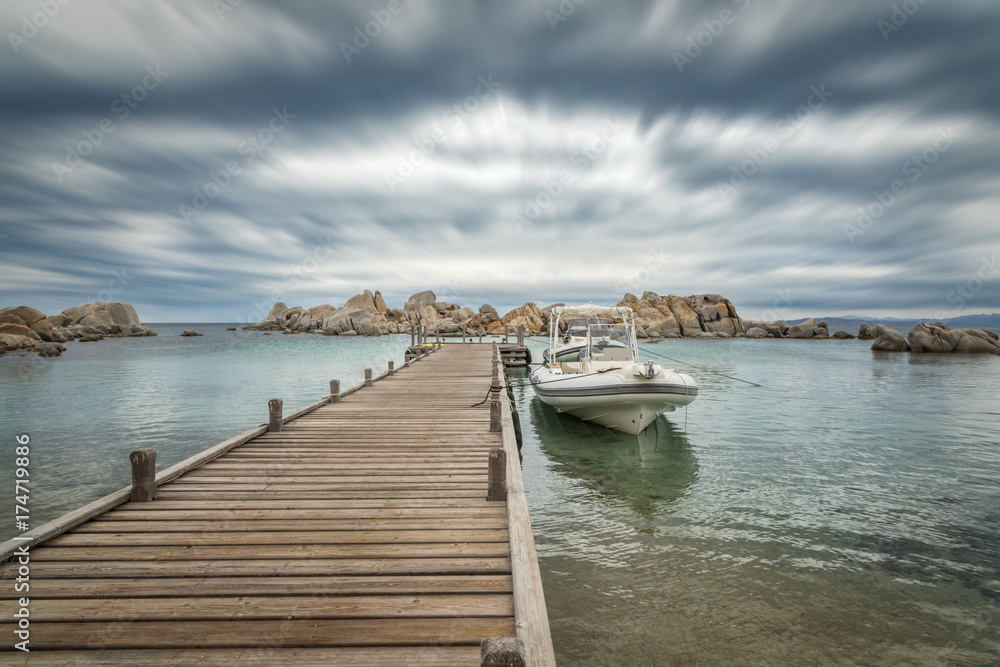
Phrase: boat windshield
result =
(577, 327)
(610, 342)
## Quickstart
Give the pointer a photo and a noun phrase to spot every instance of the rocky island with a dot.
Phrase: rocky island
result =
(24, 328)
(366, 314)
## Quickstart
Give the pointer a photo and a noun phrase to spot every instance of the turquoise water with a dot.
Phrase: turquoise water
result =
(778, 531)
(86, 410)
(773, 531)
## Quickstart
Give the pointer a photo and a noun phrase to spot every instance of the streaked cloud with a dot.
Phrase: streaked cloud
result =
(591, 161)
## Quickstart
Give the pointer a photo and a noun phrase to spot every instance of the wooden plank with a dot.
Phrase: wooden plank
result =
(49, 588)
(361, 476)
(274, 551)
(250, 566)
(316, 606)
(195, 493)
(216, 513)
(128, 541)
(267, 634)
(307, 504)
(344, 487)
(304, 525)
(383, 656)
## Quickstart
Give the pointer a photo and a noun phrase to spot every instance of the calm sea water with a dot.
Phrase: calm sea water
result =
(775, 530)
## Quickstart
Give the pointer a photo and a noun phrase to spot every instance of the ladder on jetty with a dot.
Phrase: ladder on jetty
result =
(356, 531)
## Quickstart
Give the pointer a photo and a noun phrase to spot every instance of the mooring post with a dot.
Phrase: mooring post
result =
(495, 390)
(423, 334)
(501, 652)
(392, 367)
(480, 334)
(520, 334)
(368, 377)
(274, 412)
(143, 475)
(495, 425)
(413, 336)
(506, 333)
(496, 489)
(335, 391)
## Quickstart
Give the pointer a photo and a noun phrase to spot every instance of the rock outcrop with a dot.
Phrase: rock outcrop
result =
(842, 335)
(938, 337)
(809, 329)
(888, 340)
(21, 327)
(716, 313)
(865, 332)
(367, 314)
(529, 315)
(671, 316)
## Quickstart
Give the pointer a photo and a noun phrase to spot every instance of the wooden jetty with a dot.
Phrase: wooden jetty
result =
(514, 353)
(383, 525)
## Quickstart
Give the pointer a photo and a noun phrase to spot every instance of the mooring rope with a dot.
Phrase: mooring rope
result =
(701, 368)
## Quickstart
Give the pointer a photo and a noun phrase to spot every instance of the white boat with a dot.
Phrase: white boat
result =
(607, 383)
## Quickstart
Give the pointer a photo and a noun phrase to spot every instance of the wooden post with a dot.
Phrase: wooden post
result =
(143, 475)
(392, 368)
(520, 334)
(480, 334)
(335, 391)
(423, 335)
(495, 415)
(506, 332)
(495, 423)
(413, 336)
(501, 652)
(274, 412)
(496, 489)
(368, 377)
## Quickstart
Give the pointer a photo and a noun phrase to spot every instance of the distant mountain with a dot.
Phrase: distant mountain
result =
(902, 323)
(966, 321)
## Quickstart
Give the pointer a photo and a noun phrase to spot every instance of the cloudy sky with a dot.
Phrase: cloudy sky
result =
(201, 160)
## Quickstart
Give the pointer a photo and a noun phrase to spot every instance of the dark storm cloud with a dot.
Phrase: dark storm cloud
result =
(753, 143)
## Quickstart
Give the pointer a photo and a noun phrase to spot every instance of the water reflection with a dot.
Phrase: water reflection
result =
(650, 472)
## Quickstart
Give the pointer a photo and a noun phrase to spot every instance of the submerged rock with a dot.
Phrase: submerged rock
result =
(189, 332)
